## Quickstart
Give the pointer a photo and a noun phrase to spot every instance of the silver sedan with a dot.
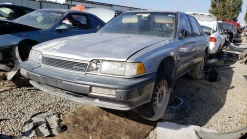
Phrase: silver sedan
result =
(132, 62)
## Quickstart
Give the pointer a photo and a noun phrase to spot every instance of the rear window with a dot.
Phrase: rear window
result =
(226, 26)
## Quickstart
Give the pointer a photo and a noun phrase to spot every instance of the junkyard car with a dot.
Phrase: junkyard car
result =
(18, 36)
(229, 30)
(211, 27)
(10, 11)
(131, 62)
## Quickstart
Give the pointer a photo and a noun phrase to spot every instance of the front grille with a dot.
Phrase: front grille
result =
(65, 64)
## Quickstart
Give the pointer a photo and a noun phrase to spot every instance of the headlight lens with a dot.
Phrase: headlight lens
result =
(35, 56)
(116, 68)
(112, 67)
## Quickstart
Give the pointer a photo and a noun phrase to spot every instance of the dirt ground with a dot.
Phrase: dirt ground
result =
(17, 82)
(208, 108)
(90, 122)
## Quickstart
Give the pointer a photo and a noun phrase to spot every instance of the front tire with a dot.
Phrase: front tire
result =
(154, 109)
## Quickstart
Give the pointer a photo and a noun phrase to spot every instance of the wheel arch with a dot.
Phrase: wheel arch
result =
(29, 41)
(167, 66)
(23, 49)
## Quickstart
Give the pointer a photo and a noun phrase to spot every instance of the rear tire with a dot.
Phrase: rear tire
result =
(197, 71)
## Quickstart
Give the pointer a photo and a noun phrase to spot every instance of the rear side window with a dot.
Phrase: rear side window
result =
(196, 29)
(7, 13)
(185, 24)
(94, 22)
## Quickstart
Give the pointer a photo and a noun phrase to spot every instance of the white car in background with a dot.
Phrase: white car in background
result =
(211, 27)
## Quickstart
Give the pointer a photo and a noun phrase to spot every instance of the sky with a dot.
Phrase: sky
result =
(176, 5)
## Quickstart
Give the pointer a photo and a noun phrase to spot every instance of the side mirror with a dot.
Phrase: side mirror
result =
(63, 26)
(183, 34)
(98, 27)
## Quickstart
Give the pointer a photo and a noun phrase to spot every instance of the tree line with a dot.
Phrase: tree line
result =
(227, 9)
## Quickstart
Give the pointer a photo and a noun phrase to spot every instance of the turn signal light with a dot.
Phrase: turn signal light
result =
(212, 39)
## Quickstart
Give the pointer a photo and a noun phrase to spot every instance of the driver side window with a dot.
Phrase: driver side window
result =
(185, 24)
(76, 22)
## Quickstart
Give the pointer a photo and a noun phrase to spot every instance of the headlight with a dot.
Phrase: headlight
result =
(116, 68)
(35, 56)
(112, 67)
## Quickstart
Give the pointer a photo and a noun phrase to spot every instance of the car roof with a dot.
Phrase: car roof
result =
(203, 16)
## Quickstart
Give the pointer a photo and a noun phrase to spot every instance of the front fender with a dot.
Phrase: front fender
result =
(15, 38)
(153, 55)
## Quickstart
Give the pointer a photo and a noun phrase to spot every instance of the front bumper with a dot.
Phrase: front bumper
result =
(129, 93)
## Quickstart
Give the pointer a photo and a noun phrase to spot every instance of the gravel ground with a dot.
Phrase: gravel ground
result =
(220, 105)
(18, 105)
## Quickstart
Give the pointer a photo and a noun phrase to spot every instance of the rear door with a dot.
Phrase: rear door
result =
(201, 42)
(187, 47)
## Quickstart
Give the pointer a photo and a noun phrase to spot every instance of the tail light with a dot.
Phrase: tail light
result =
(212, 39)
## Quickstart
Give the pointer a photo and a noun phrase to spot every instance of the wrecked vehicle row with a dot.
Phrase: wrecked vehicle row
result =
(132, 62)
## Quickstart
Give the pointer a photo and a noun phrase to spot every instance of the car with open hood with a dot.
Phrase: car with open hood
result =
(17, 37)
(229, 30)
(132, 62)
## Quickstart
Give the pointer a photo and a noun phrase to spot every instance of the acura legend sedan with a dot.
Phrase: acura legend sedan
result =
(132, 62)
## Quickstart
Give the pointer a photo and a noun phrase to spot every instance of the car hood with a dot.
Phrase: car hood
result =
(98, 46)
(9, 27)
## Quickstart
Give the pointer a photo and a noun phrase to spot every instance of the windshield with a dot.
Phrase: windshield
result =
(226, 26)
(142, 23)
(42, 19)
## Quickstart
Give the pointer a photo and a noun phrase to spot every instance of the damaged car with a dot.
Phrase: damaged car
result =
(130, 63)
(17, 37)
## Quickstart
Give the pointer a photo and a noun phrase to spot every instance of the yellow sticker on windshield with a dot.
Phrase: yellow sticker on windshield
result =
(39, 18)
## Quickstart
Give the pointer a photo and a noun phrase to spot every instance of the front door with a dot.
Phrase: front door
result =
(187, 47)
